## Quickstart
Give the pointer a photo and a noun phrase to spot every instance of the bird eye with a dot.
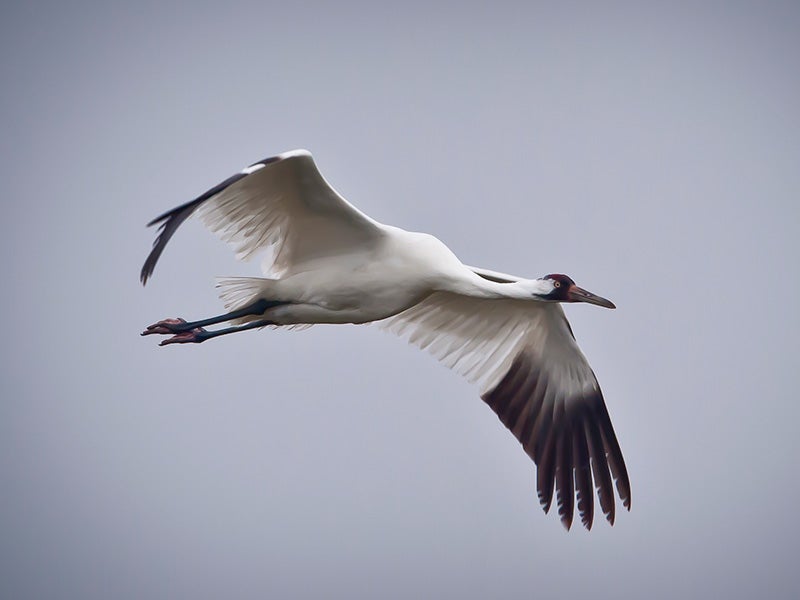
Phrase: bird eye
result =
(557, 284)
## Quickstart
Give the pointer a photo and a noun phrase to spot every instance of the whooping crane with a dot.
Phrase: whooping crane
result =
(331, 263)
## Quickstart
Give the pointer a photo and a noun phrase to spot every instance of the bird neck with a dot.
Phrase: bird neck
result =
(524, 289)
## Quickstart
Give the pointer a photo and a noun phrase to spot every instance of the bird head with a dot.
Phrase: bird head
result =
(560, 288)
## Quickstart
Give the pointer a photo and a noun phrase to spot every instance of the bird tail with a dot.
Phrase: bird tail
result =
(238, 292)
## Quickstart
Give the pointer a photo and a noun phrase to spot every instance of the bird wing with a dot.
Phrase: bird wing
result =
(282, 203)
(495, 276)
(537, 380)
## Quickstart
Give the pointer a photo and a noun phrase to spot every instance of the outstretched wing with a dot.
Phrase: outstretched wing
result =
(534, 376)
(282, 203)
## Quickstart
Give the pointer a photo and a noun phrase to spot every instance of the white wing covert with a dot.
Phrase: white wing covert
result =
(538, 382)
(282, 203)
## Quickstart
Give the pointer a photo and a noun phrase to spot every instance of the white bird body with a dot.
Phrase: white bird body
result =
(330, 263)
(396, 272)
(400, 270)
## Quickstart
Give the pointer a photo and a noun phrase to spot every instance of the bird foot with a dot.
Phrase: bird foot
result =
(180, 335)
(166, 326)
(193, 336)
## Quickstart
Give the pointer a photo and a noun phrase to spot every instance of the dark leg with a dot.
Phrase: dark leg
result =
(179, 325)
(198, 334)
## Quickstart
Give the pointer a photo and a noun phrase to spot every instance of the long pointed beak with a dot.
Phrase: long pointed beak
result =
(576, 294)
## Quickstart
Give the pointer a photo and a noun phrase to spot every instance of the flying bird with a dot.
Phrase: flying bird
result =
(327, 262)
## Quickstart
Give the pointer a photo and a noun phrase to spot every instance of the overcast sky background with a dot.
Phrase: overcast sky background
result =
(650, 152)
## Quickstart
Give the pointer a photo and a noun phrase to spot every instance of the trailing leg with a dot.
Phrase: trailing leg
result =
(198, 334)
(167, 326)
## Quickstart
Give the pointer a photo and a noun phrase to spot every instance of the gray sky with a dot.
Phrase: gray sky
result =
(650, 152)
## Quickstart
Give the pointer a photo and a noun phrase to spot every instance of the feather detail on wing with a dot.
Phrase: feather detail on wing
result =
(538, 382)
(281, 203)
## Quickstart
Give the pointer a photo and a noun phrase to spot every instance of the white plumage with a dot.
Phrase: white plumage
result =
(327, 262)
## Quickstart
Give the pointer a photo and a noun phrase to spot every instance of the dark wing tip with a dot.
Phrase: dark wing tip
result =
(567, 522)
(171, 222)
(583, 474)
(616, 462)
(571, 440)
(172, 219)
(565, 488)
(147, 270)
